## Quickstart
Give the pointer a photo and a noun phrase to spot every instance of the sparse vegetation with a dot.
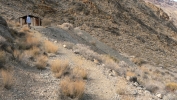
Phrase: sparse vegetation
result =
(24, 29)
(32, 41)
(34, 51)
(130, 74)
(122, 87)
(72, 88)
(172, 86)
(59, 67)
(41, 62)
(79, 72)
(66, 26)
(50, 47)
(138, 61)
(7, 78)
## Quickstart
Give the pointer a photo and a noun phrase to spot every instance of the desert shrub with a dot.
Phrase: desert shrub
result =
(72, 88)
(66, 26)
(122, 87)
(138, 61)
(34, 51)
(7, 78)
(130, 74)
(79, 72)
(50, 47)
(32, 41)
(16, 54)
(2, 57)
(109, 62)
(24, 29)
(17, 24)
(59, 67)
(41, 62)
(172, 86)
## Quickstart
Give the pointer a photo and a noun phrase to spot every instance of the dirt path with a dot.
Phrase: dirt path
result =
(99, 85)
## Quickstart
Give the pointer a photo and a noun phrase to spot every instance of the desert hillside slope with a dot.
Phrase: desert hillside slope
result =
(135, 28)
(169, 6)
(88, 50)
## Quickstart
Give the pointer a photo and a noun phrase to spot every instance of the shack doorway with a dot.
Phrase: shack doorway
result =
(35, 21)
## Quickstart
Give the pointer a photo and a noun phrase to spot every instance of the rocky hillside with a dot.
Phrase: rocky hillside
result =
(137, 31)
(134, 28)
(169, 6)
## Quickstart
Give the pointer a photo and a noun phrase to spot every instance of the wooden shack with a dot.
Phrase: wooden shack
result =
(35, 21)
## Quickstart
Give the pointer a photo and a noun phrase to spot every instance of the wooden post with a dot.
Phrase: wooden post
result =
(32, 21)
(39, 21)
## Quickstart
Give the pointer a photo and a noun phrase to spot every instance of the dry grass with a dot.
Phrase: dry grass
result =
(72, 89)
(122, 87)
(171, 86)
(2, 57)
(34, 51)
(41, 62)
(80, 73)
(17, 24)
(110, 62)
(16, 54)
(7, 78)
(130, 74)
(24, 29)
(50, 47)
(66, 26)
(59, 67)
(138, 61)
(32, 41)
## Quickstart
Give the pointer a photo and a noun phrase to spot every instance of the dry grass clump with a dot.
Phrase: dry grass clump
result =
(34, 51)
(17, 24)
(2, 57)
(72, 88)
(7, 78)
(41, 62)
(16, 54)
(138, 61)
(32, 41)
(66, 26)
(24, 29)
(80, 73)
(172, 86)
(50, 47)
(59, 67)
(109, 62)
(130, 74)
(122, 87)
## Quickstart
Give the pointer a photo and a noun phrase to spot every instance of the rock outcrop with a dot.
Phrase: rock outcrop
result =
(4, 31)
